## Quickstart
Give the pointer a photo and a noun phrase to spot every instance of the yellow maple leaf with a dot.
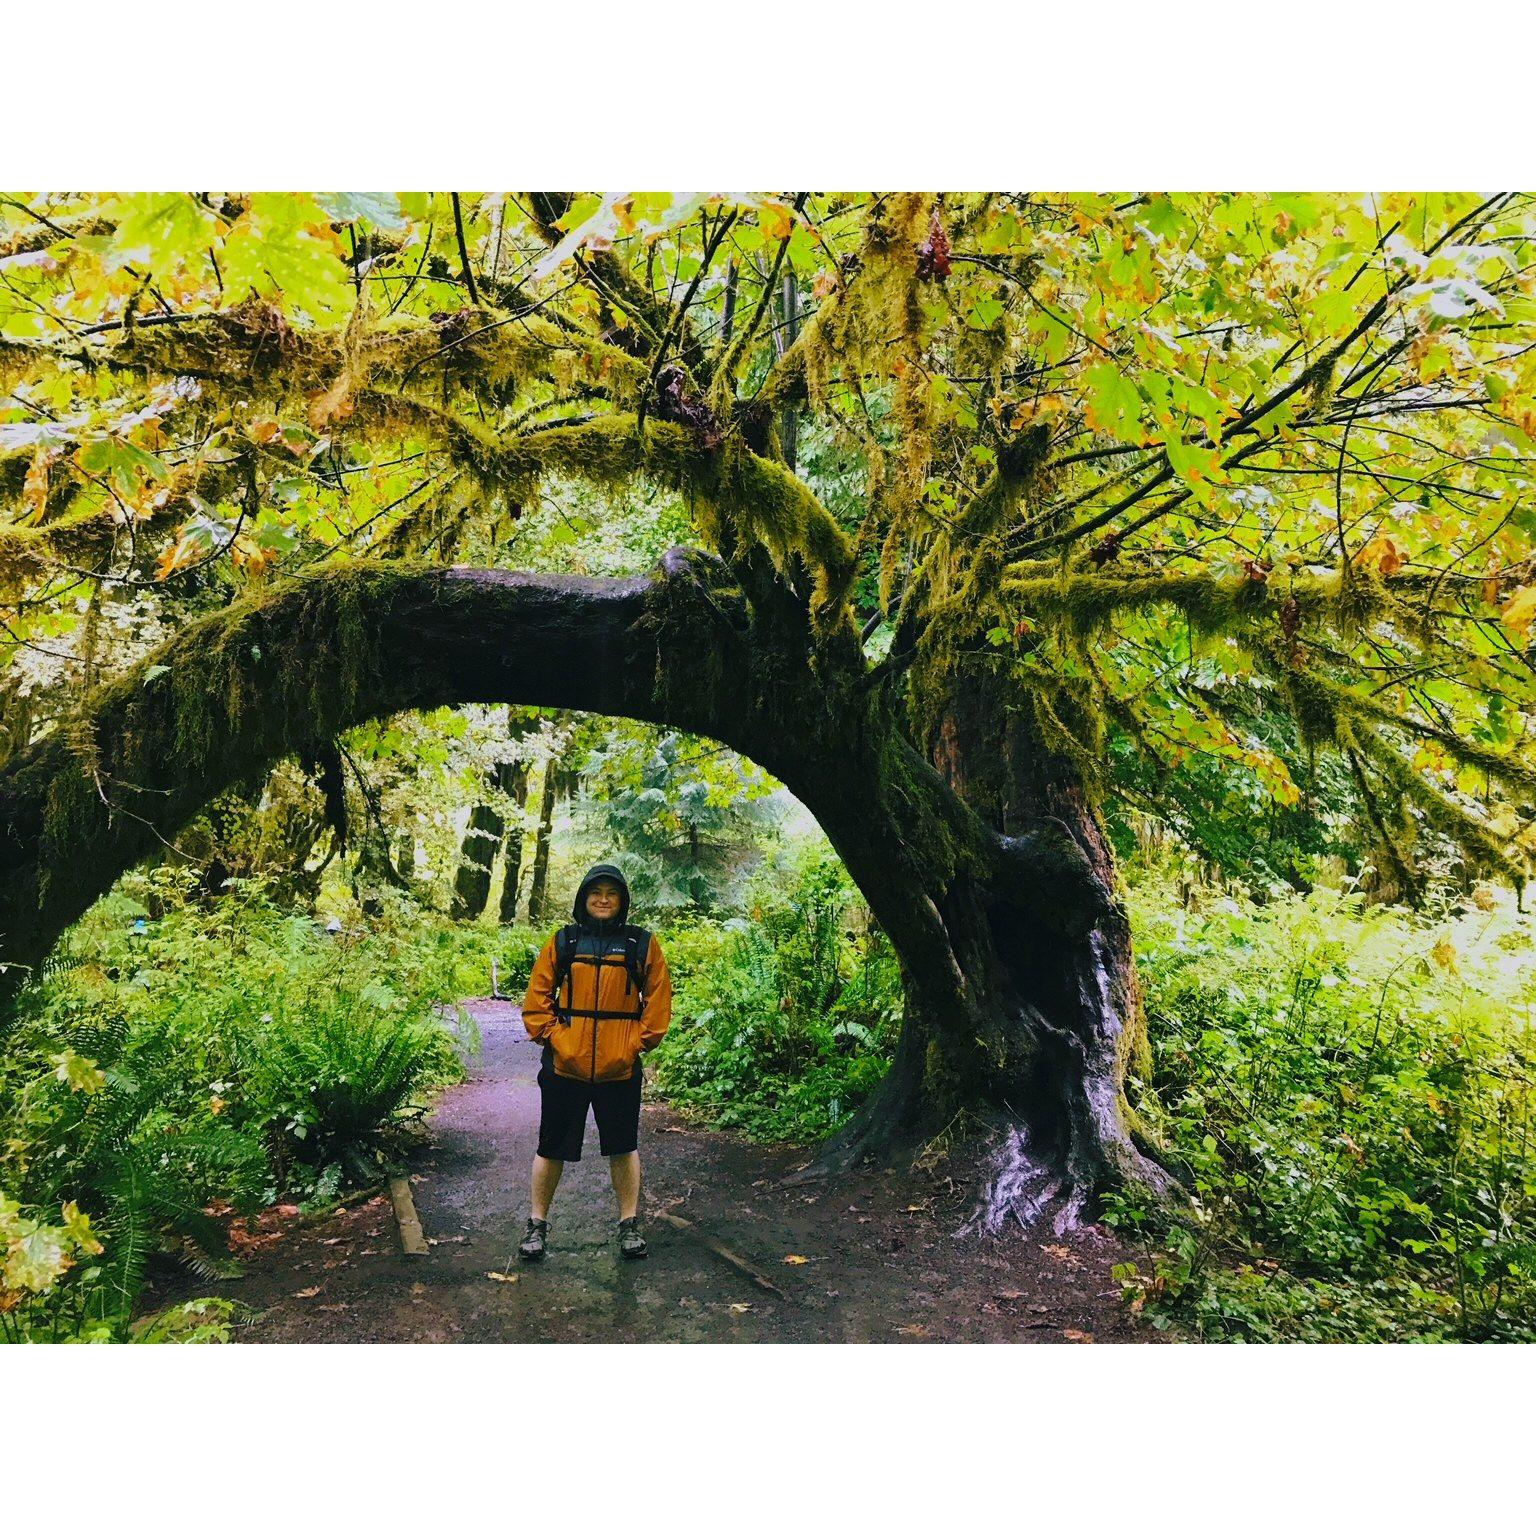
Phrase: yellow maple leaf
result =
(777, 219)
(182, 552)
(1444, 954)
(333, 404)
(1383, 553)
(34, 489)
(1520, 611)
(796, 1258)
(81, 1073)
(246, 552)
(78, 1226)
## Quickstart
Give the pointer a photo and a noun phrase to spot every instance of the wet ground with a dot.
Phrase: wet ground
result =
(868, 1258)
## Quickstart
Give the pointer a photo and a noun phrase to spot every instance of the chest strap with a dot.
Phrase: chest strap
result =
(565, 1013)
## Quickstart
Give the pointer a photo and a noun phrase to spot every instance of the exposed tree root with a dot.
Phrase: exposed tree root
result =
(1024, 1177)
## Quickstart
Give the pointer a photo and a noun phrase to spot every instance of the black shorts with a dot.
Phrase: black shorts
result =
(563, 1104)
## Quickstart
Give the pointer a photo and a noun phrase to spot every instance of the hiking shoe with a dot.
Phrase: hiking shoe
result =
(532, 1245)
(631, 1244)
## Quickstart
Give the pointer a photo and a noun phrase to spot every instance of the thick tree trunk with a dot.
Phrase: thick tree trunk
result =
(1047, 980)
(1021, 1007)
(1021, 1003)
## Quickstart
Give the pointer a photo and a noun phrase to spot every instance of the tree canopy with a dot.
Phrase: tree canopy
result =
(1161, 461)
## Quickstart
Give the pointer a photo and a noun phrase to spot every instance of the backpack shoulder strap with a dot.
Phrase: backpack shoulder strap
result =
(565, 948)
(637, 945)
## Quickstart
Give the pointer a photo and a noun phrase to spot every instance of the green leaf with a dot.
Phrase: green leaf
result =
(984, 314)
(124, 463)
(1197, 467)
(1113, 403)
(381, 209)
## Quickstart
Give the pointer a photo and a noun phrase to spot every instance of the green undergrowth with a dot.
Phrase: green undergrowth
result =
(1349, 1092)
(180, 1062)
(784, 1018)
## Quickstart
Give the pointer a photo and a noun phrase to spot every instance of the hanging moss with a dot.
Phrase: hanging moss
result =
(23, 558)
(682, 612)
(1360, 597)
(1327, 700)
(1393, 843)
(1313, 706)
(309, 668)
(732, 491)
(1216, 606)
(1448, 817)
(73, 805)
(254, 347)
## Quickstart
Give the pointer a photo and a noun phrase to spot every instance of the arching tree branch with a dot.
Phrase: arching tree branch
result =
(317, 654)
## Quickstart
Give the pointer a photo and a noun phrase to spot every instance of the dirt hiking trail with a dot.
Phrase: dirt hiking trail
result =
(880, 1263)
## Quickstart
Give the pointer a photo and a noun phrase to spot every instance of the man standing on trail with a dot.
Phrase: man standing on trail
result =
(599, 996)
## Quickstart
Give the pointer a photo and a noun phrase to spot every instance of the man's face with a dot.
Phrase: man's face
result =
(603, 899)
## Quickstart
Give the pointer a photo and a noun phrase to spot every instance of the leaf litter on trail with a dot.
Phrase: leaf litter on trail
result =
(307, 1292)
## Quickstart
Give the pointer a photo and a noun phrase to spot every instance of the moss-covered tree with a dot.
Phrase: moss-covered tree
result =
(485, 834)
(960, 469)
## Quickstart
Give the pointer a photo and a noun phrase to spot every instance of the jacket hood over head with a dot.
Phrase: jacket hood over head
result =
(579, 907)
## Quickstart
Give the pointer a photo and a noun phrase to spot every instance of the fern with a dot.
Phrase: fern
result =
(130, 1237)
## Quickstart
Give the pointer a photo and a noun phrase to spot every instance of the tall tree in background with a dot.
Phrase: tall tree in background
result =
(482, 838)
(685, 813)
(962, 469)
(494, 823)
(538, 887)
(515, 787)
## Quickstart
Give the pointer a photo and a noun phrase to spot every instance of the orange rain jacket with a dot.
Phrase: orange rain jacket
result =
(597, 1050)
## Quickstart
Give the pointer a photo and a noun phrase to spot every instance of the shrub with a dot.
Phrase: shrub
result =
(784, 1021)
(335, 1074)
(36, 1303)
(1349, 1093)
